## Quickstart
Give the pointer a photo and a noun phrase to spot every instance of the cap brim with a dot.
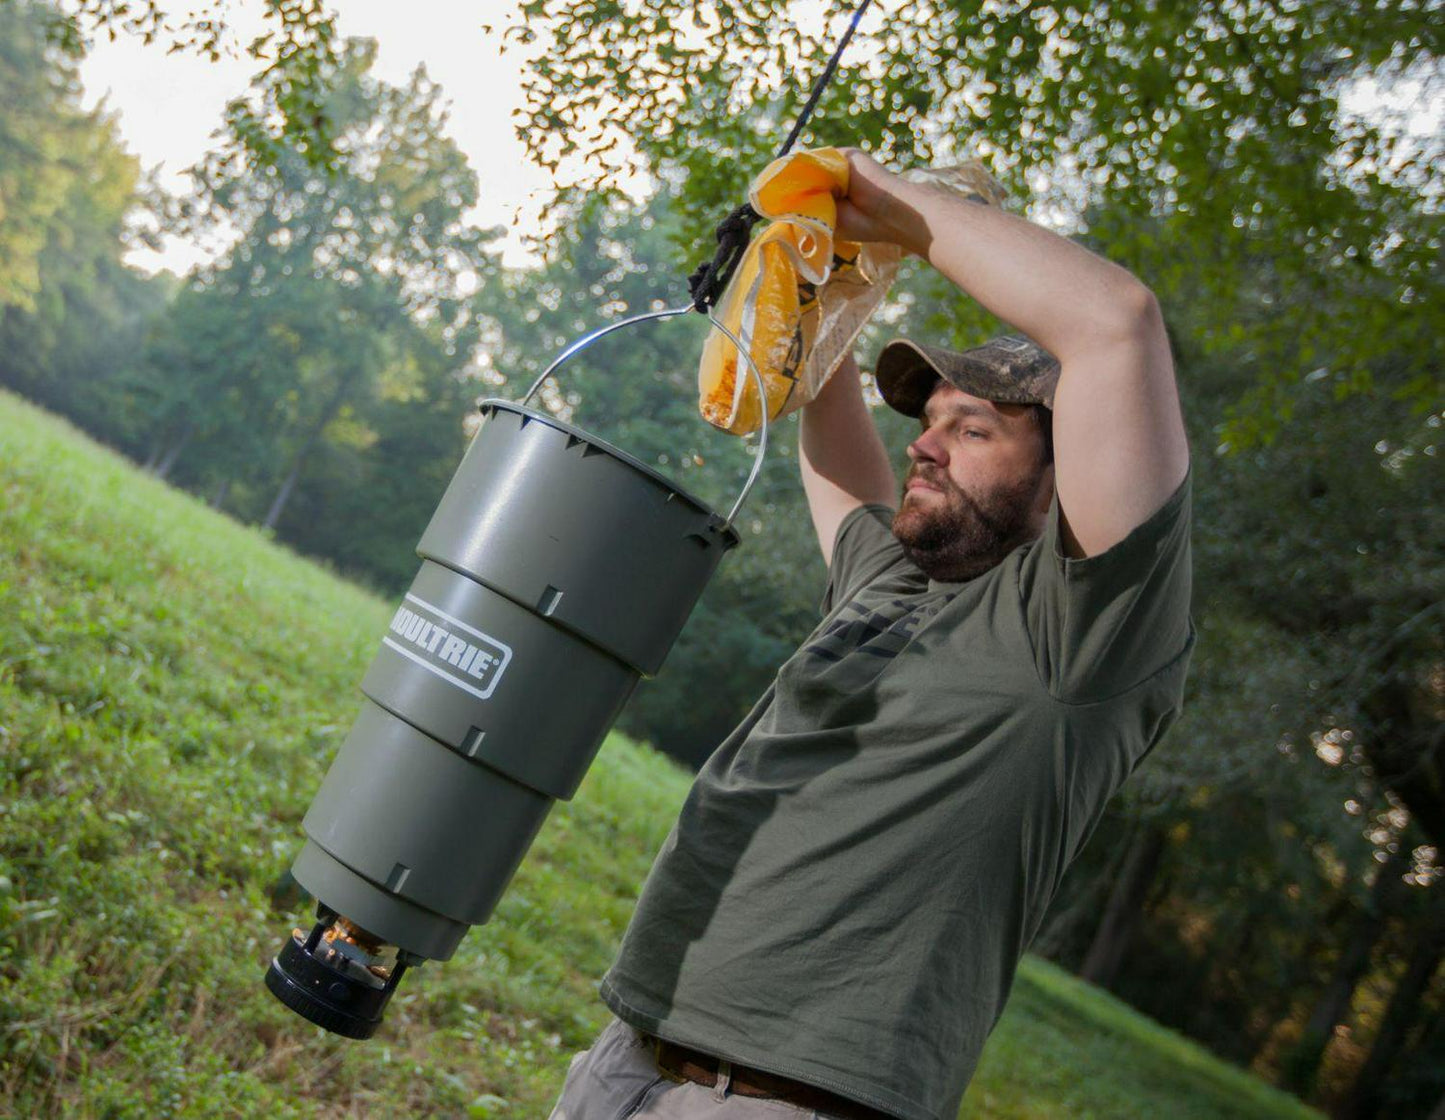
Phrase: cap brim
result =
(905, 376)
(907, 373)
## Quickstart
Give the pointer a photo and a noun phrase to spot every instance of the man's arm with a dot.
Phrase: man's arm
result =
(843, 461)
(1119, 443)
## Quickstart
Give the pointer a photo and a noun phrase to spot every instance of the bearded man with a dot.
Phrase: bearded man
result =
(833, 926)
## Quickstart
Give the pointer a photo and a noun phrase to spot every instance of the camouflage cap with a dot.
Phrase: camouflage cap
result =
(1008, 370)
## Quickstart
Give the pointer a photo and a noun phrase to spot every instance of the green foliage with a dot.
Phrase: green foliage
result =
(37, 85)
(1326, 606)
(1212, 147)
(285, 111)
(70, 311)
(64, 182)
(341, 320)
(1309, 748)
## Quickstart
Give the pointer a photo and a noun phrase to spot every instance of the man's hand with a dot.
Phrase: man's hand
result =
(872, 210)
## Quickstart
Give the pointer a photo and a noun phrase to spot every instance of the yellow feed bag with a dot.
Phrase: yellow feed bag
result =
(799, 298)
(793, 288)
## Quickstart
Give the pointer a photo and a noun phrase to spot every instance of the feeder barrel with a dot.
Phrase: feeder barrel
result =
(555, 573)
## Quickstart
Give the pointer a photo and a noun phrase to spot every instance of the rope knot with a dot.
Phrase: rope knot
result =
(733, 234)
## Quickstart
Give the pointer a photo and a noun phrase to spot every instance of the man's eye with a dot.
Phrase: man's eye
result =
(975, 433)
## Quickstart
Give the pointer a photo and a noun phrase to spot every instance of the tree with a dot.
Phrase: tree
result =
(69, 307)
(343, 288)
(45, 138)
(295, 48)
(1124, 909)
(1206, 138)
(1314, 560)
(1367, 927)
(1426, 949)
(36, 83)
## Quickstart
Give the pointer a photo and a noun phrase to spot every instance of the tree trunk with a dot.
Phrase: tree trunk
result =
(1363, 1101)
(1406, 748)
(218, 495)
(1125, 909)
(1302, 1063)
(167, 459)
(313, 437)
(283, 495)
(1297, 978)
(1428, 1053)
(1064, 924)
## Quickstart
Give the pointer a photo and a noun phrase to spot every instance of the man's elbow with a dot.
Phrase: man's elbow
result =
(1133, 317)
(1144, 313)
(1126, 333)
(1137, 317)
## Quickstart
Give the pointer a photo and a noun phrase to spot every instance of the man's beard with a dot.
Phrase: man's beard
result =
(962, 536)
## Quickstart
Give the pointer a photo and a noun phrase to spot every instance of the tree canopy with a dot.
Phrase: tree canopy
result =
(1190, 142)
(346, 288)
(70, 311)
(294, 47)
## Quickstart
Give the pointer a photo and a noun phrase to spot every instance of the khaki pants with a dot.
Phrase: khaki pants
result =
(618, 1080)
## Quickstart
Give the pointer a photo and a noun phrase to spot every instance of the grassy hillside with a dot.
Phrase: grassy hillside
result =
(171, 686)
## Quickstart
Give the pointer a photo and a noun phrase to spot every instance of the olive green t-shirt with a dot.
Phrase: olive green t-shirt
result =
(860, 865)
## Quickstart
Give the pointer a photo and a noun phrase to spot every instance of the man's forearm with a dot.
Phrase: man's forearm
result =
(843, 461)
(1063, 296)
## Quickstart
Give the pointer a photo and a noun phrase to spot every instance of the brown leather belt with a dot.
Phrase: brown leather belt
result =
(678, 1063)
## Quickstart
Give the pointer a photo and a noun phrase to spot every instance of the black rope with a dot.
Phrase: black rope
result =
(734, 232)
(822, 82)
(710, 278)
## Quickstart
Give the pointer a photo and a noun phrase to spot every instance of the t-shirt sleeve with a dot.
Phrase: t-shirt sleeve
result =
(1103, 624)
(864, 549)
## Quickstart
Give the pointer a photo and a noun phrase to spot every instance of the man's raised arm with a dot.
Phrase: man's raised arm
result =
(1119, 443)
(843, 461)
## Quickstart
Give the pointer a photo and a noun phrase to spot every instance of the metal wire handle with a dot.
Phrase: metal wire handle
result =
(668, 313)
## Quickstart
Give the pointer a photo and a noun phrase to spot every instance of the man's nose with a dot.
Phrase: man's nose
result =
(928, 448)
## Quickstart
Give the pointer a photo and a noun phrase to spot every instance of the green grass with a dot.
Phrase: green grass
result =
(1067, 1049)
(171, 687)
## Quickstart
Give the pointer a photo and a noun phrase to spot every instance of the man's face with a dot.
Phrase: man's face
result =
(978, 486)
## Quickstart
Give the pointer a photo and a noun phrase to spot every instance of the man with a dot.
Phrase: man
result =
(833, 926)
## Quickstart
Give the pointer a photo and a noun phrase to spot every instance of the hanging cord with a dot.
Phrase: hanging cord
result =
(735, 231)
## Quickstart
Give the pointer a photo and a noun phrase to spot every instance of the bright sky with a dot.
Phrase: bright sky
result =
(170, 105)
